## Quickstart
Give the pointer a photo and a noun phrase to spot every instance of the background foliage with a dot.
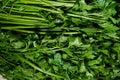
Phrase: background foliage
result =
(60, 39)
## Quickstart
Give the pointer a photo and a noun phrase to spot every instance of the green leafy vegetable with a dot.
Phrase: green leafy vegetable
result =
(60, 39)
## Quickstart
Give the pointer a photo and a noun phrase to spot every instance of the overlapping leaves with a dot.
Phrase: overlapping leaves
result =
(60, 39)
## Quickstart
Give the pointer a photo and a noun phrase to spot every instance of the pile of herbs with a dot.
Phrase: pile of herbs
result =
(60, 39)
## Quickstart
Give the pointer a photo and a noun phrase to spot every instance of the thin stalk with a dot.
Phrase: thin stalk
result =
(42, 32)
(37, 68)
(84, 17)
(47, 3)
(22, 17)
(30, 7)
(26, 13)
(23, 27)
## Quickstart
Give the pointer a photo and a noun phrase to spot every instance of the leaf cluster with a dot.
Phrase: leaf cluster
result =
(60, 39)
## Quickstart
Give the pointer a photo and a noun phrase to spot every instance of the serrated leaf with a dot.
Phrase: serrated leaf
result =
(89, 31)
(66, 50)
(109, 27)
(94, 62)
(18, 44)
(57, 59)
(82, 67)
(76, 41)
(88, 54)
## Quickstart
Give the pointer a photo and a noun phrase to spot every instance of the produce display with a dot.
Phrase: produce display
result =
(60, 39)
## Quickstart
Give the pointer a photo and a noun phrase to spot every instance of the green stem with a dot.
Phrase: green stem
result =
(84, 17)
(37, 68)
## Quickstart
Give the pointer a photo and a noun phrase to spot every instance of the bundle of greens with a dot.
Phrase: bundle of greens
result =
(60, 39)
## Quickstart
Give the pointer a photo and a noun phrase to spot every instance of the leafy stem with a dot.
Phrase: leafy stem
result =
(37, 68)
